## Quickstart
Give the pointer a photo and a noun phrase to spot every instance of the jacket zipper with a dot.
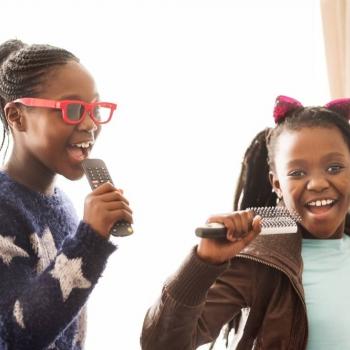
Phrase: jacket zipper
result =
(249, 257)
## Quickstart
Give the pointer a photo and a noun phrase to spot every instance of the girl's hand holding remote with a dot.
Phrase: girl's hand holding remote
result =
(242, 228)
(104, 207)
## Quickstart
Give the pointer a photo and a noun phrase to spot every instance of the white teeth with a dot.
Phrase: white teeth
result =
(84, 144)
(320, 203)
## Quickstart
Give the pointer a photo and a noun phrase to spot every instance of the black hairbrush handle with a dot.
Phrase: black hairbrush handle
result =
(211, 230)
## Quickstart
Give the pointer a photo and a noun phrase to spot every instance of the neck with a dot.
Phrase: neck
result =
(31, 173)
(306, 234)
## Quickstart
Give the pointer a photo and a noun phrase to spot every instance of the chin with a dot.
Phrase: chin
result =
(73, 175)
(326, 233)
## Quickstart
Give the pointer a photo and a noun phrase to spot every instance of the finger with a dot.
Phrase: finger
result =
(257, 224)
(216, 218)
(120, 214)
(104, 188)
(238, 223)
(230, 228)
(112, 206)
(113, 196)
(247, 219)
(246, 240)
(243, 224)
(232, 222)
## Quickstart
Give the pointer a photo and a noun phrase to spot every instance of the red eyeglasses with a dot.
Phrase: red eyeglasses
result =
(74, 111)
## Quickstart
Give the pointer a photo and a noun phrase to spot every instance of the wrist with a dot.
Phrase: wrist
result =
(209, 259)
(102, 233)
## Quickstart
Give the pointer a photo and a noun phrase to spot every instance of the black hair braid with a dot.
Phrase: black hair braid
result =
(254, 188)
(23, 70)
(6, 49)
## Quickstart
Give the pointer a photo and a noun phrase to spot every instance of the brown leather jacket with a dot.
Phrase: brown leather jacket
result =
(200, 299)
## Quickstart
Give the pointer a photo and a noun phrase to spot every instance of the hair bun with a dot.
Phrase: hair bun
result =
(9, 47)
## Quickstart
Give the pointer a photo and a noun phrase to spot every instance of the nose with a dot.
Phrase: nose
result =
(87, 124)
(317, 183)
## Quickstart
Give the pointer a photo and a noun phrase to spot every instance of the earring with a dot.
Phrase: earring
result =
(279, 197)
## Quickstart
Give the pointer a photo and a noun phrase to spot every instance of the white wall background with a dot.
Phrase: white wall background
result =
(194, 81)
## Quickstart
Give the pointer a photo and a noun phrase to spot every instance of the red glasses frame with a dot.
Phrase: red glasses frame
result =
(63, 106)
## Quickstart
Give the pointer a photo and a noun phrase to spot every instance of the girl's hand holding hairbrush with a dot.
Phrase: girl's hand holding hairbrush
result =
(242, 227)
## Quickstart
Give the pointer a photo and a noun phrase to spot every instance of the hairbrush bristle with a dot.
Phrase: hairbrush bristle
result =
(269, 212)
(277, 220)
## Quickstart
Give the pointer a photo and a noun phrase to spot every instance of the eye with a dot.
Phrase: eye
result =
(334, 168)
(296, 173)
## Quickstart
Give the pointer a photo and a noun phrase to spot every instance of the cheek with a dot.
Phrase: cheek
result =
(346, 189)
(50, 136)
(97, 132)
(291, 191)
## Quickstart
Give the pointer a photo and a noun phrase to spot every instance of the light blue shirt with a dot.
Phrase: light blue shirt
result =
(326, 281)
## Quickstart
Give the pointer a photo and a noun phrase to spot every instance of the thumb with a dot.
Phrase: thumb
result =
(256, 224)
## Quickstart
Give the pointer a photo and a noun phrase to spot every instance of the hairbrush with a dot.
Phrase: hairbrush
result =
(275, 220)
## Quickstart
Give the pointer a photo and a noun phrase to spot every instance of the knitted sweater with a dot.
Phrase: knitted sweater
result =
(49, 264)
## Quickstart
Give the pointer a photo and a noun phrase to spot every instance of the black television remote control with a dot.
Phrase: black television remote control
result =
(97, 174)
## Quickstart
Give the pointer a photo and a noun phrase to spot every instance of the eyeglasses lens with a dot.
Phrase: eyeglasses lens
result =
(101, 113)
(75, 111)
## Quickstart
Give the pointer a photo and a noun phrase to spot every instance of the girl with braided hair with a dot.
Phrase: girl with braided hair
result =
(49, 261)
(293, 287)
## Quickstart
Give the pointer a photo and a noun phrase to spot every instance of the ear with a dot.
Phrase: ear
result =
(15, 117)
(275, 184)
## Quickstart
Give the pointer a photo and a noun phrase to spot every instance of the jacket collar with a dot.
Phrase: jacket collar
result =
(280, 251)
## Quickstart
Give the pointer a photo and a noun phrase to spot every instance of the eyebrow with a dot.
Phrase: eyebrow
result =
(328, 156)
(334, 155)
(76, 97)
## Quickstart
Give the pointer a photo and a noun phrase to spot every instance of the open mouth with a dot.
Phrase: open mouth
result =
(320, 206)
(80, 151)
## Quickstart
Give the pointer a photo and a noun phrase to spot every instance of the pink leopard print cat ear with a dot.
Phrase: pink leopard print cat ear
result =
(283, 105)
(340, 106)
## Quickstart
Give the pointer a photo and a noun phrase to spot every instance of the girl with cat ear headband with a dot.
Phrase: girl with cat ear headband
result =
(292, 284)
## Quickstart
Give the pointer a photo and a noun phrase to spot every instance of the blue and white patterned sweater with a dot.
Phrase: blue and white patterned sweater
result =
(49, 264)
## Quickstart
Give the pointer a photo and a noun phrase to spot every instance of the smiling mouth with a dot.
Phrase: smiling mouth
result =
(320, 206)
(80, 151)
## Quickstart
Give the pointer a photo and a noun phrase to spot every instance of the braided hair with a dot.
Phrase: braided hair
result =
(23, 71)
(253, 187)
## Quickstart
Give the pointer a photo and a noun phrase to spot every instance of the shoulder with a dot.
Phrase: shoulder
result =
(14, 196)
(10, 198)
(16, 208)
(8, 191)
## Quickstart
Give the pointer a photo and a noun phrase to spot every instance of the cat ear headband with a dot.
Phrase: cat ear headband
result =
(285, 104)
